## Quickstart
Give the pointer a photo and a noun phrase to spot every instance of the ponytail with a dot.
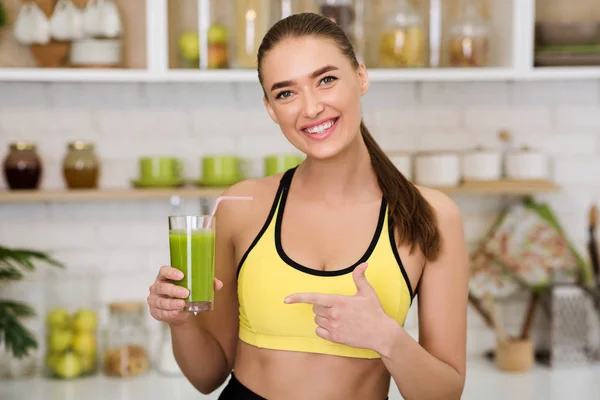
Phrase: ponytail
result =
(410, 213)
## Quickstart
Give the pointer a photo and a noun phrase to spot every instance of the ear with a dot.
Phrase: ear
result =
(270, 110)
(363, 77)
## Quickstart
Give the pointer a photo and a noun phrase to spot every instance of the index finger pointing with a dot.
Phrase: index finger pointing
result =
(310, 298)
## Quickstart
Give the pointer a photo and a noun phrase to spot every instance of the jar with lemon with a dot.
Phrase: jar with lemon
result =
(71, 327)
(402, 42)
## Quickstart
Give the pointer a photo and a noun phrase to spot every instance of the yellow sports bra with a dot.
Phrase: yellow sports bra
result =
(266, 275)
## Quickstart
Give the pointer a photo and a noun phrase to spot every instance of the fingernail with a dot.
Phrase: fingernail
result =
(183, 293)
(178, 275)
(287, 300)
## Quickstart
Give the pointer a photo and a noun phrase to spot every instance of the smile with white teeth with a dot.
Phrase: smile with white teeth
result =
(321, 128)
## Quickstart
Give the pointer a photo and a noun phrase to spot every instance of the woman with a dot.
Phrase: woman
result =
(317, 273)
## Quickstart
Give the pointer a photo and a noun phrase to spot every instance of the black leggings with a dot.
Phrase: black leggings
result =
(235, 390)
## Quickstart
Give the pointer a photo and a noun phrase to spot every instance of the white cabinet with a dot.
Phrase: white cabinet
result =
(164, 21)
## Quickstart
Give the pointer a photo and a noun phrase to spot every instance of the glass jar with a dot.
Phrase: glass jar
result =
(402, 42)
(81, 166)
(127, 341)
(253, 20)
(22, 166)
(342, 13)
(71, 326)
(470, 37)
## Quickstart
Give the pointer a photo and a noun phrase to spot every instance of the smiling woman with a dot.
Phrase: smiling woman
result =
(317, 274)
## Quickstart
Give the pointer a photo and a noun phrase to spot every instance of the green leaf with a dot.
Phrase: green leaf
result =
(10, 274)
(17, 339)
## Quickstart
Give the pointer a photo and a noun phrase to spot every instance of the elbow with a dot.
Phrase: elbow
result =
(207, 388)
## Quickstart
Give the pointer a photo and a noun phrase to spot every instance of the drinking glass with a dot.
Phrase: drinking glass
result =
(192, 248)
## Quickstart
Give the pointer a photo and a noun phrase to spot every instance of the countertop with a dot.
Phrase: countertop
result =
(484, 381)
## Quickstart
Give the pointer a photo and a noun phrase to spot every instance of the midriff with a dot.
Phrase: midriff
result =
(288, 375)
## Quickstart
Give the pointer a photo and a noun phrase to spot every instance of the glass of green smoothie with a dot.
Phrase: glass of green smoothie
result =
(192, 247)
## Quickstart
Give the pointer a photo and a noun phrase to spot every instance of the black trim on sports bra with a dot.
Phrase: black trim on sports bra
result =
(264, 227)
(286, 182)
(399, 260)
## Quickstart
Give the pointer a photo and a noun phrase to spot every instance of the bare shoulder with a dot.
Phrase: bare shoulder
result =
(447, 211)
(240, 213)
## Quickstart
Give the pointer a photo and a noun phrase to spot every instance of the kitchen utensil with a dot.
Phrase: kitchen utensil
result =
(483, 313)
(481, 165)
(529, 316)
(66, 22)
(96, 53)
(437, 169)
(593, 245)
(31, 25)
(496, 323)
(159, 169)
(222, 170)
(569, 325)
(277, 163)
(526, 164)
(515, 355)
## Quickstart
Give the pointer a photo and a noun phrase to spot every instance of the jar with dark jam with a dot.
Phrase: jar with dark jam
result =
(22, 166)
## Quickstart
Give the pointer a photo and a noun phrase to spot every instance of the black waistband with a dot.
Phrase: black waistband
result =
(235, 390)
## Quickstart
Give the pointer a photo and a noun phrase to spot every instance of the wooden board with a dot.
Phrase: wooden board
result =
(504, 187)
(26, 196)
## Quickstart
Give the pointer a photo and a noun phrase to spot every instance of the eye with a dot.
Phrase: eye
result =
(283, 95)
(328, 79)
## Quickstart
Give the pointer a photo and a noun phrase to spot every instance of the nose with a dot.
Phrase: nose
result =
(312, 105)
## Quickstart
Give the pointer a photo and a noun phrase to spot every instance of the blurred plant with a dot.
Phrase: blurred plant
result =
(13, 265)
(3, 16)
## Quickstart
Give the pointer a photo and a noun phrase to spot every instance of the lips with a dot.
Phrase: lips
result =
(322, 129)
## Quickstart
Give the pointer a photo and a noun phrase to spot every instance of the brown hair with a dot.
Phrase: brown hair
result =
(410, 213)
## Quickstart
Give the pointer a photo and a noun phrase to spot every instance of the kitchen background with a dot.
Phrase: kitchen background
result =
(112, 248)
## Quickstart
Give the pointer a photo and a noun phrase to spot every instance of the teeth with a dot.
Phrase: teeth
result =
(321, 128)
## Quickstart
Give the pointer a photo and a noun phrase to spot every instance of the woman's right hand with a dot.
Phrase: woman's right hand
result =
(166, 300)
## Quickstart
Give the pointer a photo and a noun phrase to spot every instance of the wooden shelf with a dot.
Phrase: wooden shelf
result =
(26, 196)
(506, 187)
(503, 187)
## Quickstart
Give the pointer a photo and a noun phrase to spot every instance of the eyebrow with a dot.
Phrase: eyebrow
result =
(315, 74)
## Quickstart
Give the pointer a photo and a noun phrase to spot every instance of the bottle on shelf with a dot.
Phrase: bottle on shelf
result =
(469, 37)
(253, 20)
(402, 42)
(348, 14)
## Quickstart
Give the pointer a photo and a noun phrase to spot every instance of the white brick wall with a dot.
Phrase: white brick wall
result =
(122, 244)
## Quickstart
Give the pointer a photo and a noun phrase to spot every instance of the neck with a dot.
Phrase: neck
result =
(349, 175)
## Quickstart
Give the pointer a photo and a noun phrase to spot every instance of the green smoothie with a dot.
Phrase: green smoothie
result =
(194, 255)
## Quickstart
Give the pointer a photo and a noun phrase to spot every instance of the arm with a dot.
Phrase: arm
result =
(204, 345)
(434, 368)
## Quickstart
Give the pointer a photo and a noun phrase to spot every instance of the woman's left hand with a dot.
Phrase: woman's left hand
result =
(358, 321)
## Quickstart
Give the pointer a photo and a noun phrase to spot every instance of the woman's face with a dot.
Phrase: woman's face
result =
(313, 93)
